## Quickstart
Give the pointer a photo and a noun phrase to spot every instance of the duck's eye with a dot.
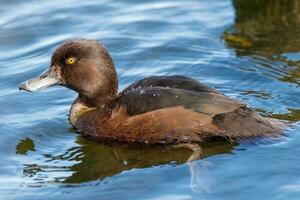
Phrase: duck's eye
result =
(70, 60)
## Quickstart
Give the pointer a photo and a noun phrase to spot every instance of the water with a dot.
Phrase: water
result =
(249, 50)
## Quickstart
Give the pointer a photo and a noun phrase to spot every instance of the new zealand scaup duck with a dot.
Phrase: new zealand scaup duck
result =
(158, 109)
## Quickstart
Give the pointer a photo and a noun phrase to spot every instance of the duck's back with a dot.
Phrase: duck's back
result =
(173, 109)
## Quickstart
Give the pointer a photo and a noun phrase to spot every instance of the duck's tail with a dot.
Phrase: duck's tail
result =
(243, 122)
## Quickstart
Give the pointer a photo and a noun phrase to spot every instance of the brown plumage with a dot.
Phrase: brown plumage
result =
(161, 109)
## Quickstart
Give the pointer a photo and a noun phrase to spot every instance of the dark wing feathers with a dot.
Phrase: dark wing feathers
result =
(168, 91)
(146, 99)
(179, 82)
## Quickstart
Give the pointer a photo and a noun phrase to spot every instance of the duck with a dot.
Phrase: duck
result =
(153, 110)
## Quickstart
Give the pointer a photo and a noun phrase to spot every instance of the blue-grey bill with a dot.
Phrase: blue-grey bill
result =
(46, 79)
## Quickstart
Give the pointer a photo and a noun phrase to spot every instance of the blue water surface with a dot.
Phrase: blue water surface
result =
(249, 50)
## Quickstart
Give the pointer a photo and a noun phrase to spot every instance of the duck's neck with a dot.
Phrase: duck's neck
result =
(82, 105)
(99, 99)
(77, 109)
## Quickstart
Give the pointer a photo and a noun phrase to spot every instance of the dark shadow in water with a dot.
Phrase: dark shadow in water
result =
(96, 161)
(268, 29)
(24, 146)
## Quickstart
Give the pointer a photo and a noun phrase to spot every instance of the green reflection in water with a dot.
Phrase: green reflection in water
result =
(95, 161)
(98, 161)
(268, 32)
(293, 115)
(24, 146)
(268, 28)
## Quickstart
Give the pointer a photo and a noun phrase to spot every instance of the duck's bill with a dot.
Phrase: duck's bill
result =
(46, 79)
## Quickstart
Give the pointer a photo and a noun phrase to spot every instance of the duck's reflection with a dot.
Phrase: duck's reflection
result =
(268, 29)
(98, 161)
(89, 161)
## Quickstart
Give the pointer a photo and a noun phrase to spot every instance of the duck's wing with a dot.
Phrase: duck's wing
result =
(139, 100)
(196, 115)
(179, 82)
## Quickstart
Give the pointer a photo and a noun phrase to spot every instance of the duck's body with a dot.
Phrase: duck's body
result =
(169, 109)
(161, 109)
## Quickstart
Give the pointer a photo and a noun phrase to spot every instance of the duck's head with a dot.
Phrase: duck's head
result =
(82, 65)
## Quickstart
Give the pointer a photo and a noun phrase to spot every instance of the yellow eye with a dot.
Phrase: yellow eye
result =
(70, 60)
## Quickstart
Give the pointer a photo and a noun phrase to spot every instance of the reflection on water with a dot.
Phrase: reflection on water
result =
(267, 31)
(248, 50)
(266, 27)
(24, 146)
(112, 159)
(293, 115)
